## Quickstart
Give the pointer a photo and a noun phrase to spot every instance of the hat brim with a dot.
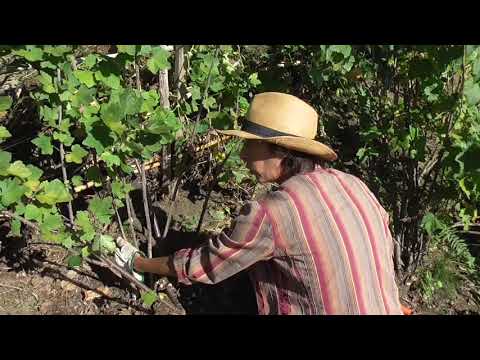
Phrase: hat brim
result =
(300, 144)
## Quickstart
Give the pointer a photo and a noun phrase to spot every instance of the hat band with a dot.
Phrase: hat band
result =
(262, 131)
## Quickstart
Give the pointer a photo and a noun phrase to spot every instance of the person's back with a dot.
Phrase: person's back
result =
(333, 249)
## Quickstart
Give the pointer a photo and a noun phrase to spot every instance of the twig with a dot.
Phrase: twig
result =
(62, 153)
(130, 218)
(11, 287)
(212, 185)
(172, 207)
(141, 168)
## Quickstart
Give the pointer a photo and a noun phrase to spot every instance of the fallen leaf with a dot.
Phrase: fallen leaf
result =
(89, 295)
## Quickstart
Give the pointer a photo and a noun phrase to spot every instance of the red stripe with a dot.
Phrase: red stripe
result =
(371, 235)
(307, 227)
(283, 299)
(348, 245)
(255, 227)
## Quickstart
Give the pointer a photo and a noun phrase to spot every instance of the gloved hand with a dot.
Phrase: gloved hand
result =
(124, 256)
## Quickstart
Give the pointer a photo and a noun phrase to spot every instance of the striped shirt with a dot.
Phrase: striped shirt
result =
(319, 245)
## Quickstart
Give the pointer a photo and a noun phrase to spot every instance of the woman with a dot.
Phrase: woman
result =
(319, 245)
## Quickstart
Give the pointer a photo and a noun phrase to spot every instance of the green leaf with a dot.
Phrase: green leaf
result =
(99, 138)
(127, 49)
(15, 227)
(52, 222)
(94, 174)
(163, 122)
(54, 192)
(11, 191)
(85, 252)
(83, 222)
(64, 138)
(159, 60)
(77, 154)
(19, 169)
(50, 115)
(47, 82)
(149, 298)
(44, 143)
(84, 96)
(33, 213)
(36, 172)
(110, 159)
(145, 50)
(472, 92)
(104, 244)
(85, 77)
(112, 115)
(31, 53)
(74, 261)
(5, 103)
(430, 223)
(4, 133)
(20, 209)
(461, 183)
(57, 50)
(77, 180)
(90, 61)
(253, 79)
(119, 190)
(102, 209)
(5, 158)
(150, 100)
(131, 102)
(109, 74)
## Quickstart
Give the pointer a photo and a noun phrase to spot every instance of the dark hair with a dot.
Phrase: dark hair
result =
(295, 162)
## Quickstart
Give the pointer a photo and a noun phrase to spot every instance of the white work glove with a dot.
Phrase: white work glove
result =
(124, 256)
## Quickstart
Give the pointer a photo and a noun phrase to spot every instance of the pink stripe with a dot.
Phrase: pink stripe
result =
(346, 239)
(284, 302)
(371, 234)
(222, 257)
(307, 227)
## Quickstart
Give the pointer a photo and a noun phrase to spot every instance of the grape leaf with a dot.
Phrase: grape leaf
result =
(150, 100)
(149, 298)
(5, 103)
(15, 227)
(64, 138)
(33, 213)
(4, 133)
(77, 180)
(127, 49)
(31, 53)
(11, 191)
(54, 192)
(104, 243)
(112, 115)
(44, 143)
(52, 222)
(5, 158)
(19, 169)
(131, 102)
(159, 60)
(90, 61)
(102, 209)
(83, 222)
(74, 261)
(47, 82)
(77, 154)
(85, 252)
(110, 159)
(85, 77)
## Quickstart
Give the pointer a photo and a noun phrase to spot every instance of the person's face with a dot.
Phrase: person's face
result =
(260, 160)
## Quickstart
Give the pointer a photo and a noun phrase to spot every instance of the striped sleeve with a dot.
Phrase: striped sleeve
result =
(224, 256)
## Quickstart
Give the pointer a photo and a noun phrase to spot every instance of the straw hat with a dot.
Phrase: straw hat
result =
(284, 120)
